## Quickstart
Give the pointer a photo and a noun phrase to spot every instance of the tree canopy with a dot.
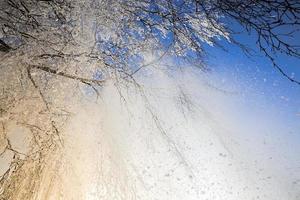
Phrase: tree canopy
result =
(117, 33)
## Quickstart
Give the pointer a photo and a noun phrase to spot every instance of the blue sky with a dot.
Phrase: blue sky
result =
(261, 86)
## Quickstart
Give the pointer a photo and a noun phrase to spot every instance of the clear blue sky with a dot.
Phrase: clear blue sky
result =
(262, 86)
